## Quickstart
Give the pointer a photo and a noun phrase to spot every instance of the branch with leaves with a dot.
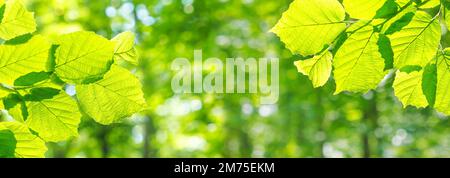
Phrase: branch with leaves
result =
(35, 74)
(361, 41)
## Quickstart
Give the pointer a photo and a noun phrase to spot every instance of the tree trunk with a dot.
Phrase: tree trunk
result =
(149, 130)
(370, 122)
(103, 139)
(320, 109)
(366, 145)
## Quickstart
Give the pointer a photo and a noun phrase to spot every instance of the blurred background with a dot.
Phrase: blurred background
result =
(306, 122)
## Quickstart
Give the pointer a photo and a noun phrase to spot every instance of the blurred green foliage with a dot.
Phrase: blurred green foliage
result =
(304, 123)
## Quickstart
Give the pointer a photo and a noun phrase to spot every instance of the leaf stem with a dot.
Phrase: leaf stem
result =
(4, 87)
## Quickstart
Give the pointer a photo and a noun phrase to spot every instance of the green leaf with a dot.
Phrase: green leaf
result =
(53, 114)
(16, 107)
(7, 143)
(401, 19)
(363, 9)
(24, 143)
(117, 96)
(443, 83)
(358, 64)
(3, 92)
(427, 4)
(125, 49)
(32, 79)
(308, 26)
(446, 8)
(429, 82)
(16, 20)
(83, 56)
(417, 42)
(318, 68)
(17, 60)
(408, 89)
(402, 3)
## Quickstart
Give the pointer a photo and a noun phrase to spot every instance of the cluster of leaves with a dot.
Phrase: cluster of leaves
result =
(35, 74)
(362, 41)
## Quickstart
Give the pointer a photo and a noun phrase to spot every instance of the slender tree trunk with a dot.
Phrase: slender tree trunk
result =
(366, 145)
(246, 144)
(103, 139)
(146, 144)
(60, 151)
(370, 122)
(149, 130)
(320, 122)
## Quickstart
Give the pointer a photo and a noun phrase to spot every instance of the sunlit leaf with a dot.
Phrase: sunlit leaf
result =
(17, 60)
(125, 49)
(408, 89)
(443, 83)
(310, 25)
(318, 68)
(417, 42)
(358, 64)
(83, 56)
(16, 20)
(53, 114)
(16, 138)
(363, 9)
(115, 97)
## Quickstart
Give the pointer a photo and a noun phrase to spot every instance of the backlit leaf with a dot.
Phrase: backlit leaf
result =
(115, 97)
(318, 68)
(53, 114)
(124, 48)
(83, 56)
(310, 25)
(363, 9)
(16, 20)
(417, 42)
(21, 141)
(17, 60)
(443, 83)
(358, 64)
(408, 89)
